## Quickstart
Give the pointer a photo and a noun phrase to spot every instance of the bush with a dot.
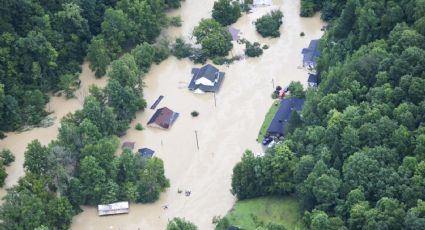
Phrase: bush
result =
(175, 21)
(220, 60)
(302, 34)
(226, 12)
(194, 113)
(265, 47)
(139, 127)
(269, 24)
(198, 56)
(181, 49)
(7, 156)
(253, 50)
(162, 50)
(180, 224)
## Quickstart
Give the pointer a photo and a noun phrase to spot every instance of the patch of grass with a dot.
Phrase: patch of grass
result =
(267, 120)
(247, 214)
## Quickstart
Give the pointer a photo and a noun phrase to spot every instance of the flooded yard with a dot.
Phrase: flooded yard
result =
(227, 123)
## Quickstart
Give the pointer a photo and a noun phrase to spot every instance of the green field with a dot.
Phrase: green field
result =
(280, 210)
(268, 119)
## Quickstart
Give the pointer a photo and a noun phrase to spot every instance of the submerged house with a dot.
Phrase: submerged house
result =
(128, 145)
(163, 118)
(206, 79)
(312, 80)
(146, 152)
(113, 209)
(311, 54)
(234, 32)
(280, 120)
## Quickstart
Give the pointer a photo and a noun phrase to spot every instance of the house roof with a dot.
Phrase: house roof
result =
(311, 53)
(283, 114)
(145, 152)
(234, 32)
(128, 145)
(211, 73)
(163, 117)
(312, 78)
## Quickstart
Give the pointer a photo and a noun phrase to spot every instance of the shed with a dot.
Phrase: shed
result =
(163, 118)
(113, 208)
(128, 145)
(311, 54)
(283, 114)
(146, 152)
(312, 80)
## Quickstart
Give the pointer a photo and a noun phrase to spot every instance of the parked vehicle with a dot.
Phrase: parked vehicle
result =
(267, 140)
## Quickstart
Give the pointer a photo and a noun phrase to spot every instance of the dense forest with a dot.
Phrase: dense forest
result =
(356, 158)
(43, 44)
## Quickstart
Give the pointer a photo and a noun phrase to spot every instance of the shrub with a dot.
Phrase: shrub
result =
(269, 24)
(198, 56)
(220, 60)
(181, 49)
(302, 34)
(253, 50)
(194, 113)
(265, 47)
(162, 50)
(180, 224)
(139, 127)
(175, 21)
(7, 156)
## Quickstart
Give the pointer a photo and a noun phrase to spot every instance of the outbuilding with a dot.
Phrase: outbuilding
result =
(163, 118)
(113, 208)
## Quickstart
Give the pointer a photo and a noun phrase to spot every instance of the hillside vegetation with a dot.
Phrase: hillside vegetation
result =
(357, 161)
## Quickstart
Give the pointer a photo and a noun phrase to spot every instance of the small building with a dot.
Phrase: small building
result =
(311, 54)
(312, 80)
(280, 120)
(113, 209)
(206, 79)
(163, 118)
(234, 228)
(128, 145)
(234, 32)
(262, 3)
(145, 152)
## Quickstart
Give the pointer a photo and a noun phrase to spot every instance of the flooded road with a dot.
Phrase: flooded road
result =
(224, 131)
(227, 125)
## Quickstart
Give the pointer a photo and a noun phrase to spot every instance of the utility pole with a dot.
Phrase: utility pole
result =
(196, 136)
(273, 82)
(215, 101)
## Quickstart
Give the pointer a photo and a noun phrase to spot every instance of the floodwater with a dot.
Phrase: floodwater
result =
(227, 125)
(59, 106)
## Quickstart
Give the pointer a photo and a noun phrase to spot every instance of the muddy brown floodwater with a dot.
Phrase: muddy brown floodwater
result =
(224, 131)
(225, 128)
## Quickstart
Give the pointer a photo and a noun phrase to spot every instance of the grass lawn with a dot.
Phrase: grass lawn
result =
(280, 210)
(268, 119)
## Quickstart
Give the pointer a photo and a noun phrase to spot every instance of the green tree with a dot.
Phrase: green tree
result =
(98, 55)
(226, 12)
(36, 158)
(180, 224)
(214, 39)
(269, 25)
(144, 56)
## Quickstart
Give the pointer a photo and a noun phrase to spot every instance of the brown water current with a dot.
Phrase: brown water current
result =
(225, 127)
